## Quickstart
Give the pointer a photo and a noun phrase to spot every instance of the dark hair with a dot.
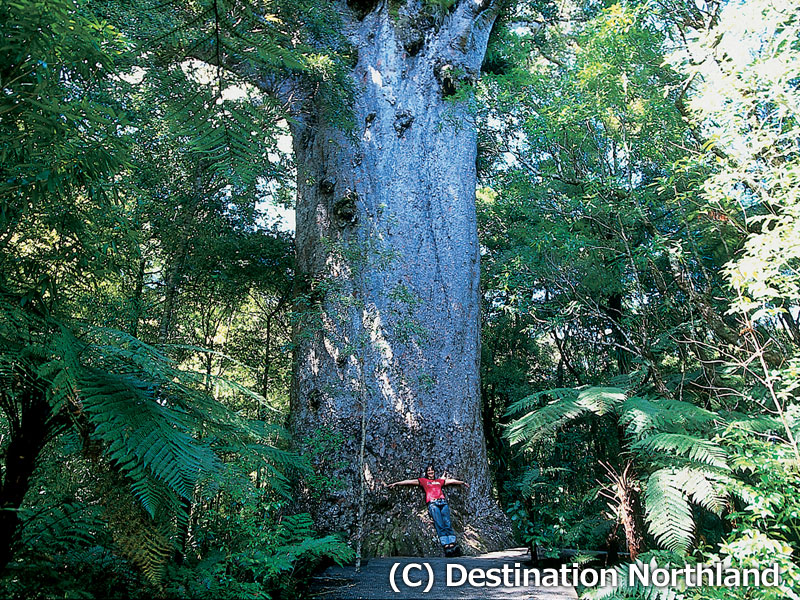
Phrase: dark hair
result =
(430, 466)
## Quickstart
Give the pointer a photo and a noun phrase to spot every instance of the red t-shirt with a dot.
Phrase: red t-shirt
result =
(433, 488)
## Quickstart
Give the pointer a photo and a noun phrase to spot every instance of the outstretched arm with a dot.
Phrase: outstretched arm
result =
(404, 482)
(455, 482)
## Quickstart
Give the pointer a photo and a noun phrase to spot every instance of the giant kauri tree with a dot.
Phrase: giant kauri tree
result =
(386, 235)
(386, 339)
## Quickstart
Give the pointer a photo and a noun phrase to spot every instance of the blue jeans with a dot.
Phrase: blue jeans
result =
(440, 513)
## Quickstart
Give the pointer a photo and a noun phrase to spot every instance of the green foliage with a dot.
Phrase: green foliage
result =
(568, 525)
(670, 516)
(638, 590)
(639, 231)
(569, 404)
(146, 415)
(637, 163)
(320, 455)
(256, 552)
(694, 448)
(60, 133)
(148, 441)
(144, 297)
(692, 467)
(756, 80)
(59, 122)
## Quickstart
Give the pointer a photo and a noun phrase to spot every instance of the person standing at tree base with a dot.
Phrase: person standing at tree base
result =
(438, 508)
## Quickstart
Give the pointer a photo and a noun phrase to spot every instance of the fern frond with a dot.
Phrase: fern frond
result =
(690, 415)
(569, 405)
(162, 436)
(637, 590)
(757, 423)
(145, 436)
(667, 503)
(535, 400)
(147, 544)
(145, 540)
(703, 489)
(692, 447)
(68, 525)
(640, 415)
(668, 512)
(601, 400)
(535, 425)
(297, 537)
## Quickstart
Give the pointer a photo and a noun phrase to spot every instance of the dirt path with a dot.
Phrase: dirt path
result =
(373, 581)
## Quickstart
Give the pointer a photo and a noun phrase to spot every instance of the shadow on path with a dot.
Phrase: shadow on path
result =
(373, 581)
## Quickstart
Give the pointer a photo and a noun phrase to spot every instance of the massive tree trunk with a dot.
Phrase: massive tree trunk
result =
(386, 353)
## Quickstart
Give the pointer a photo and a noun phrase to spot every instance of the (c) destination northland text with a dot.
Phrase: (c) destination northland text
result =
(715, 574)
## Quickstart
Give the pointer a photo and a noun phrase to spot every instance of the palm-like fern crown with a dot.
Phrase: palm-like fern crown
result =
(675, 441)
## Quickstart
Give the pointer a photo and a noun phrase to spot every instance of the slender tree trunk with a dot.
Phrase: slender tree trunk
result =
(791, 327)
(136, 308)
(615, 309)
(387, 355)
(265, 382)
(170, 296)
(29, 432)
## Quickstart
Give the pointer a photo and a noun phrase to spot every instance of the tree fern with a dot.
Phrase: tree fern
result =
(146, 417)
(674, 441)
(297, 536)
(66, 550)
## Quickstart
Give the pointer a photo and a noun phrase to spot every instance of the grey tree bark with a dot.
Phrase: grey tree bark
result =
(387, 347)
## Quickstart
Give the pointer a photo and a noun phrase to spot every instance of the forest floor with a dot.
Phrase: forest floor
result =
(373, 581)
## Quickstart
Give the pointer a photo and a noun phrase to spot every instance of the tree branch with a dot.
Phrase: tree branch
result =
(289, 89)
